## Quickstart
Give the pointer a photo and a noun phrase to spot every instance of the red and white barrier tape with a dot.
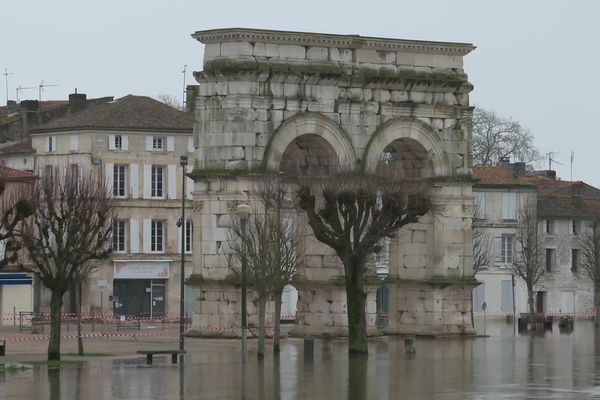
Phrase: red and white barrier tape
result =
(92, 336)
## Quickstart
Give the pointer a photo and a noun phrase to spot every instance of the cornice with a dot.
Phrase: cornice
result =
(330, 40)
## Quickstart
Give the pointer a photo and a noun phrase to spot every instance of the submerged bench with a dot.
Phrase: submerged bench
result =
(150, 353)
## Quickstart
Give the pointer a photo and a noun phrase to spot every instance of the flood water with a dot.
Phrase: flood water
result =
(502, 366)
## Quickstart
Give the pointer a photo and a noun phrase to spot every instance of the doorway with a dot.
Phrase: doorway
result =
(540, 305)
(139, 297)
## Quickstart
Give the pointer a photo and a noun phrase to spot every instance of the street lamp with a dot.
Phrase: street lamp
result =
(183, 160)
(243, 210)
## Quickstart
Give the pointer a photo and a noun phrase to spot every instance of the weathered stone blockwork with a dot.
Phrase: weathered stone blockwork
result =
(263, 92)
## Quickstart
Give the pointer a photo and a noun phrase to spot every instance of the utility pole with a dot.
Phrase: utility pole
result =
(6, 74)
(183, 97)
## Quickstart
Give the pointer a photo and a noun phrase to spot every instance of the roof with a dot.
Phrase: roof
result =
(129, 112)
(559, 187)
(497, 175)
(568, 206)
(17, 147)
(16, 175)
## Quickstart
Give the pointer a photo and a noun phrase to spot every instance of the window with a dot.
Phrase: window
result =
(157, 236)
(550, 260)
(73, 172)
(574, 260)
(119, 235)
(480, 206)
(504, 248)
(51, 144)
(120, 180)
(575, 227)
(189, 234)
(158, 143)
(118, 142)
(158, 182)
(509, 206)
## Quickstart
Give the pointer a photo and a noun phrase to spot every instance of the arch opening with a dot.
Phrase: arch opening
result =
(405, 158)
(309, 155)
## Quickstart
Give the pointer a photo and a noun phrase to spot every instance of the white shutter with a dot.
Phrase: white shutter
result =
(189, 183)
(149, 143)
(172, 181)
(498, 248)
(480, 205)
(190, 144)
(48, 143)
(170, 143)
(509, 205)
(125, 143)
(74, 142)
(147, 232)
(134, 179)
(109, 176)
(147, 181)
(134, 235)
(111, 142)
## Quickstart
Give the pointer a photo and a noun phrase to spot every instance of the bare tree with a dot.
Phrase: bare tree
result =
(590, 262)
(482, 251)
(268, 246)
(15, 206)
(495, 137)
(169, 100)
(351, 213)
(528, 264)
(70, 228)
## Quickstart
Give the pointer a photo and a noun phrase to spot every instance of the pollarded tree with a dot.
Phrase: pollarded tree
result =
(495, 137)
(15, 206)
(528, 263)
(69, 230)
(351, 213)
(590, 262)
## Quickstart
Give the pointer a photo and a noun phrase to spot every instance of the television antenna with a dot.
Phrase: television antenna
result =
(6, 74)
(41, 87)
(183, 97)
(21, 88)
(552, 160)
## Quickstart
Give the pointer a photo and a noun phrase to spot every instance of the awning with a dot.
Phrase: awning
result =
(16, 279)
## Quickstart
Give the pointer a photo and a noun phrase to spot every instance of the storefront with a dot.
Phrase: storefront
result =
(140, 288)
(16, 295)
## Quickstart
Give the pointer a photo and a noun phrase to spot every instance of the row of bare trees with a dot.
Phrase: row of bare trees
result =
(61, 224)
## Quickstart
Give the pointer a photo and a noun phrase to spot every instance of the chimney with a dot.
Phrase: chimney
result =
(11, 106)
(77, 102)
(30, 111)
(504, 162)
(518, 169)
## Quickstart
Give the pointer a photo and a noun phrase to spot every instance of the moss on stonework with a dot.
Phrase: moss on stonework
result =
(214, 172)
(199, 280)
(367, 75)
(458, 179)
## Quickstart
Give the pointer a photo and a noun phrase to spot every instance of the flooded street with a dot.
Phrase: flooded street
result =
(553, 366)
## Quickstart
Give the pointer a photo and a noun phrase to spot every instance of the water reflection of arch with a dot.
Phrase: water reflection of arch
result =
(309, 138)
(411, 145)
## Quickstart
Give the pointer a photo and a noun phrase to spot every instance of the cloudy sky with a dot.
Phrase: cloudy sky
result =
(536, 60)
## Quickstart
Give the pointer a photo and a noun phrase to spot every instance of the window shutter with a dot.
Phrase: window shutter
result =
(190, 144)
(498, 248)
(189, 183)
(109, 176)
(172, 181)
(134, 233)
(134, 179)
(74, 143)
(147, 181)
(149, 143)
(179, 238)
(125, 143)
(147, 232)
(170, 143)
(48, 143)
(513, 206)
(111, 142)
(480, 205)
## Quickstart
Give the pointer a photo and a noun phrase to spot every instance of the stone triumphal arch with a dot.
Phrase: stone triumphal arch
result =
(291, 102)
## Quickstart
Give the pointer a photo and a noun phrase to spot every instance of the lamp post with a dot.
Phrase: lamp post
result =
(243, 210)
(183, 160)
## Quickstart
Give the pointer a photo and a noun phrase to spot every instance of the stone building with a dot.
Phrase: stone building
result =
(274, 101)
(136, 143)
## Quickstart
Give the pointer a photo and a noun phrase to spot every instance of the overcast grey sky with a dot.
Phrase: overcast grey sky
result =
(536, 60)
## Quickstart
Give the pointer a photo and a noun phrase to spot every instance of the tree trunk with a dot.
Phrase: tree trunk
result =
(357, 322)
(261, 327)
(79, 301)
(56, 303)
(597, 305)
(277, 322)
(530, 300)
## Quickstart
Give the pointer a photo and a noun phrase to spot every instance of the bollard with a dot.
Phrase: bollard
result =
(410, 344)
(309, 347)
